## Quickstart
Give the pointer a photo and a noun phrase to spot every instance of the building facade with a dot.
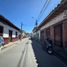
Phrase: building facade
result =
(54, 27)
(8, 30)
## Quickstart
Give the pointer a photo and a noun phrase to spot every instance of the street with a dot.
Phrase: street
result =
(27, 53)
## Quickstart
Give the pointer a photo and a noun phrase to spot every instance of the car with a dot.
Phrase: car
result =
(1, 41)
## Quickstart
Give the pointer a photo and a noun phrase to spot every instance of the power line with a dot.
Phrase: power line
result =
(44, 8)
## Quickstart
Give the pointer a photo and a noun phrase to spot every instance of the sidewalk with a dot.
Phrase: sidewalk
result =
(7, 45)
(61, 54)
(43, 58)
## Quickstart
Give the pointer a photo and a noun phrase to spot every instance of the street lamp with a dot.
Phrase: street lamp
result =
(36, 23)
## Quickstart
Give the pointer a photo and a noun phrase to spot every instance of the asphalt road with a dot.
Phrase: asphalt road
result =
(18, 55)
(25, 53)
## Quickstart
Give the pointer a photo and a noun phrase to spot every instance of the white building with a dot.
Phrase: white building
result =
(8, 30)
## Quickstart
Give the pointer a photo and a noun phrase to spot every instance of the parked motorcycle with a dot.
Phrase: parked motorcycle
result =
(49, 47)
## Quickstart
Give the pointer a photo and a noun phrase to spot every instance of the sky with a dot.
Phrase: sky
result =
(22, 11)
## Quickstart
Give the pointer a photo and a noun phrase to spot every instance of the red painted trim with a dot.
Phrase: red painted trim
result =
(14, 39)
(6, 40)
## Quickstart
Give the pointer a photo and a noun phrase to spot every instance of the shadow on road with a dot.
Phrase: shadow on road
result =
(43, 58)
(39, 53)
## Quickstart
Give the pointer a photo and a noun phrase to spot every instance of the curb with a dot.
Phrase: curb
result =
(7, 45)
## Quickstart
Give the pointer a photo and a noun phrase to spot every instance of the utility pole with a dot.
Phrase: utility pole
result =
(35, 21)
(36, 28)
(36, 25)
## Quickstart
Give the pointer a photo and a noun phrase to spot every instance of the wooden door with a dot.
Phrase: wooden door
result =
(42, 36)
(10, 35)
(48, 33)
(58, 35)
(1, 30)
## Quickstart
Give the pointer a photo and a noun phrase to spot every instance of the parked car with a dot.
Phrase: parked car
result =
(1, 41)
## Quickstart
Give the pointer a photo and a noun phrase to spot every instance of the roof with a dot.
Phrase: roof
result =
(34, 29)
(59, 9)
(6, 21)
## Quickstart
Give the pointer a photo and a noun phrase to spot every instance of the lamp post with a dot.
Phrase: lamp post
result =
(36, 23)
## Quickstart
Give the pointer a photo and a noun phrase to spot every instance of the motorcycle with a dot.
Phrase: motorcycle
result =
(49, 47)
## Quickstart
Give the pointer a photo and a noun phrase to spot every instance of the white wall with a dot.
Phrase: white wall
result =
(36, 34)
(6, 31)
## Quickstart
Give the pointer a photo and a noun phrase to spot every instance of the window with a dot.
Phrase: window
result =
(1, 30)
(16, 34)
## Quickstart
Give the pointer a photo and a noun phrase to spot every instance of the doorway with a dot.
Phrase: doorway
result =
(58, 35)
(10, 35)
(1, 30)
